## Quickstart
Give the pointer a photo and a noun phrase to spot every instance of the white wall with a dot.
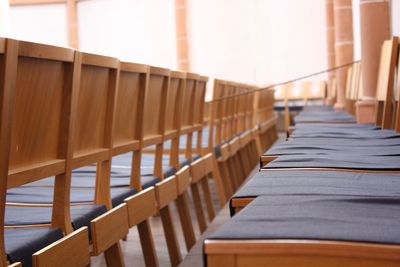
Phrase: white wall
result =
(257, 41)
(252, 41)
(396, 17)
(134, 30)
(4, 17)
(39, 23)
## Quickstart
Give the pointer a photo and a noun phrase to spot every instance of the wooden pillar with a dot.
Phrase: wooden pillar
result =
(182, 50)
(375, 28)
(343, 17)
(330, 42)
(72, 20)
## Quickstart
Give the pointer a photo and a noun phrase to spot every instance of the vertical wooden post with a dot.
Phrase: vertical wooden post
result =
(182, 48)
(375, 29)
(343, 16)
(330, 42)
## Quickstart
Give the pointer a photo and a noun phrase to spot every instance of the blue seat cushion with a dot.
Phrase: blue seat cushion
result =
(333, 218)
(81, 215)
(292, 148)
(335, 183)
(336, 161)
(44, 195)
(149, 180)
(21, 243)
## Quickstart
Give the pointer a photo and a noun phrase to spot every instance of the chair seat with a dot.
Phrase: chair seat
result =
(333, 218)
(349, 134)
(291, 148)
(21, 243)
(81, 215)
(149, 180)
(44, 195)
(336, 161)
(324, 116)
(347, 142)
(321, 183)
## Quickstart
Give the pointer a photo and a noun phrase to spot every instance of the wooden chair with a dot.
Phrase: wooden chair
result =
(92, 111)
(38, 88)
(93, 128)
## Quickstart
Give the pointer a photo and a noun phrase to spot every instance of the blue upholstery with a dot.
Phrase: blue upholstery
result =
(336, 161)
(337, 218)
(334, 183)
(21, 243)
(44, 195)
(291, 148)
(81, 215)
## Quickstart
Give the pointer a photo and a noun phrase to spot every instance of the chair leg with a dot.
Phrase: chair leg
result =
(207, 196)
(114, 257)
(146, 240)
(170, 236)
(226, 178)
(198, 207)
(186, 221)
(219, 183)
(232, 174)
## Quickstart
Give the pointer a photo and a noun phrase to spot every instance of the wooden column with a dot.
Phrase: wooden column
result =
(330, 42)
(375, 28)
(343, 17)
(182, 50)
(72, 21)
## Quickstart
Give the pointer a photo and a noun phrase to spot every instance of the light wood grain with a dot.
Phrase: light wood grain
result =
(182, 180)
(72, 250)
(109, 228)
(43, 51)
(302, 253)
(141, 206)
(166, 192)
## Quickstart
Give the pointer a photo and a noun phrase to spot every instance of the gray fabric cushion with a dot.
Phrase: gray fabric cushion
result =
(363, 219)
(324, 116)
(328, 126)
(44, 195)
(81, 215)
(21, 243)
(326, 183)
(291, 148)
(321, 183)
(374, 134)
(347, 142)
(337, 161)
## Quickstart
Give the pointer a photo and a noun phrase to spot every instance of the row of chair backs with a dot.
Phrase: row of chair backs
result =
(235, 108)
(62, 109)
(58, 106)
